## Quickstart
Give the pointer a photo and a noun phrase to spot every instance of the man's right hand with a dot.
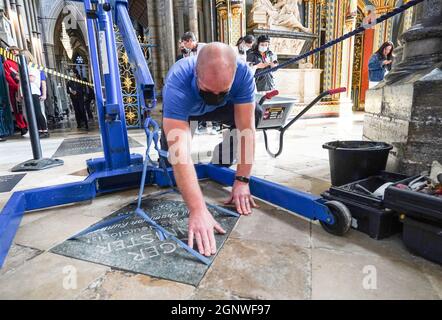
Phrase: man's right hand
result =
(201, 228)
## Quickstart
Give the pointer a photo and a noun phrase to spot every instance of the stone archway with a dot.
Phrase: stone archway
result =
(51, 11)
(54, 10)
(68, 43)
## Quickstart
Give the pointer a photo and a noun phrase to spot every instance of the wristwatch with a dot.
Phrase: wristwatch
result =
(242, 179)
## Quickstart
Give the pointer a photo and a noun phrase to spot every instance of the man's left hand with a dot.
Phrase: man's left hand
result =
(242, 198)
(42, 97)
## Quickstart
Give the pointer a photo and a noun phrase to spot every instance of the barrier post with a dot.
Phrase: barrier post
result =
(38, 163)
(29, 106)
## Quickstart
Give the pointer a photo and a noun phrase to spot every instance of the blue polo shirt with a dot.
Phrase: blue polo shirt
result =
(181, 98)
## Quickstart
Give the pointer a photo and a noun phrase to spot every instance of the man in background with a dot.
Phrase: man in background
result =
(190, 44)
(76, 93)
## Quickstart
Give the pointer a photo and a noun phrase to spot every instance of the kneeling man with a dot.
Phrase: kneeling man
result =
(215, 86)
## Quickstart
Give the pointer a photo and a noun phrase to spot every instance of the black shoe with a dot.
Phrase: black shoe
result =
(44, 135)
(23, 131)
(2, 140)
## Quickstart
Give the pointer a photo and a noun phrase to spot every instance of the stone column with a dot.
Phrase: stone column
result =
(155, 38)
(193, 16)
(28, 15)
(16, 25)
(9, 11)
(37, 32)
(208, 22)
(169, 33)
(406, 109)
(161, 34)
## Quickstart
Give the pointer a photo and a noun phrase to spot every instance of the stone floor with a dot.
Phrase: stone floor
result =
(269, 255)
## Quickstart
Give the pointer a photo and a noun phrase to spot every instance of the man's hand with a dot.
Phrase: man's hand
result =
(43, 97)
(242, 198)
(201, 222)
(201, 226)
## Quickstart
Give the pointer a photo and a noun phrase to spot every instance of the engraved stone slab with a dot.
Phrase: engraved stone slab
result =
(84, 145)
(133, 245)
(7, 183)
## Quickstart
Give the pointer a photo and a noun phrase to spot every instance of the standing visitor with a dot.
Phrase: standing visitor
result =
(35, 84)
(13, 78)
(243, 45)
(380, 64)
(190, 44)
(262, 59)
(76, 93)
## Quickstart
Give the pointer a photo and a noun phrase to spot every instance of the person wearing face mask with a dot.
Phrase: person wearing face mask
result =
(243, 45)
(215, 86)
(191, 47)
(261, 58)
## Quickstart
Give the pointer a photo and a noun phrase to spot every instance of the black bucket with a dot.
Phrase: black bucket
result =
(355, 160)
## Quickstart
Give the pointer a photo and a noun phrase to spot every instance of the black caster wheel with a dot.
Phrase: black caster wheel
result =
(342, 217)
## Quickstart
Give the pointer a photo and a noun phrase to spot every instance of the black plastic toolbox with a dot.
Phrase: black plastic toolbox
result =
(369, 213)
(414, 204)
(423, 239)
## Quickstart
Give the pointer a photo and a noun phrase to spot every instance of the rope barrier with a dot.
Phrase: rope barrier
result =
(10, 56)
(361, 29)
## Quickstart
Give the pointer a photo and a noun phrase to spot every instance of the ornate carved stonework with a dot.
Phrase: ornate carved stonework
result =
(230, 26)
(281, 21)
(282, 15)
(284, 46)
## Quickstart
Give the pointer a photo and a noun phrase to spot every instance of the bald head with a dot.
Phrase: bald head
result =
(216, 67)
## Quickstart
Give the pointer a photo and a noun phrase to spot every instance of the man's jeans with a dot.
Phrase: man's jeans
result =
(223, 154)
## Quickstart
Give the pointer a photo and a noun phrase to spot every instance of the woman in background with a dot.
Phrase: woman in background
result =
(380, 64)
(243, 45)
(261, 58)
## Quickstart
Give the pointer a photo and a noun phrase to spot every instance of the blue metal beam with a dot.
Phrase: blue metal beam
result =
(97, 183)
(304, 204)
(144, 80)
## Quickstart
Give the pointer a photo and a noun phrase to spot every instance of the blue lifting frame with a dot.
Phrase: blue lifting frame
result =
(118, 169)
